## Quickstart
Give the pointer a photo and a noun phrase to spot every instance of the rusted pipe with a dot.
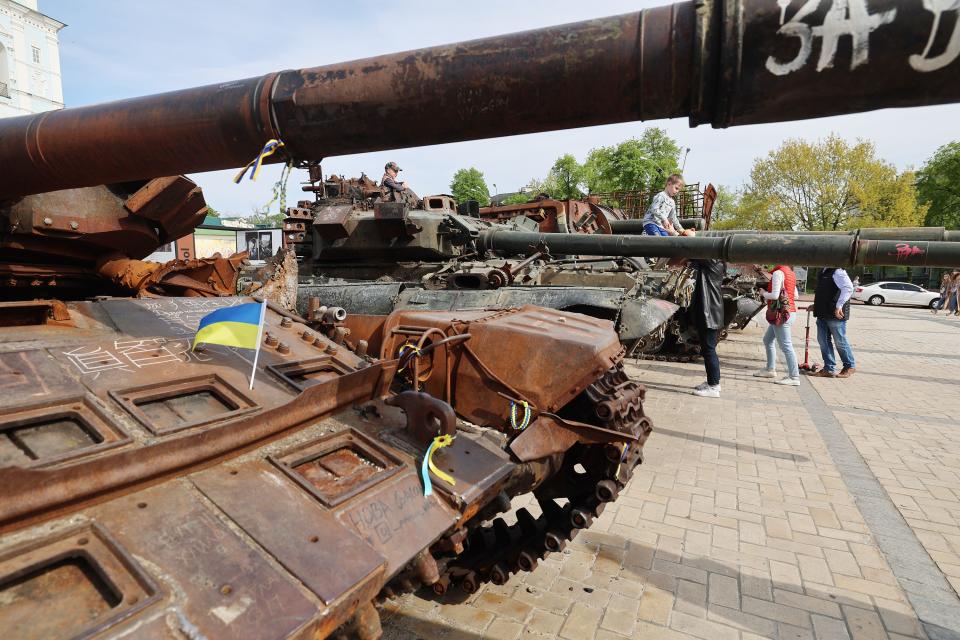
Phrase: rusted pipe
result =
(725, 63)
(802, 250)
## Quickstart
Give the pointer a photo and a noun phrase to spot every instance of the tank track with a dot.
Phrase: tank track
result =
(589, 477)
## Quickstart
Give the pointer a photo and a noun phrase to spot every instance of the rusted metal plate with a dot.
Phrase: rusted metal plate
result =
(70, 584)
(223, 585)
(303, 536)
(396, 518)
(32, 377)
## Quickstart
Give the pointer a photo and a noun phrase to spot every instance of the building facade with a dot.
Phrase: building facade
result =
(29, 59)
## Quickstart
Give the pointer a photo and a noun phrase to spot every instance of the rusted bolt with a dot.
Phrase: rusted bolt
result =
(331, 349)
(285, 322)
(362, 348)
(82, 541)
(74, 225)
(226, 589)
(271, 340)
(318, 343)
(314, 539)
(48, 221)
(306, 335)
(283, 348)
(141, 505)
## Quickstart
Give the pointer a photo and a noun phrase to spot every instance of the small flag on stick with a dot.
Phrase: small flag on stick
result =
(238, 326)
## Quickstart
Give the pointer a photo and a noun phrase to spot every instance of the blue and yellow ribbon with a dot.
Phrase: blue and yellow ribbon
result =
(268, 150)
(427, 466)
(407, 347)
(527, 414)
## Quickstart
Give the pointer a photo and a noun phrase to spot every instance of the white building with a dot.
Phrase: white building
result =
(29, 59)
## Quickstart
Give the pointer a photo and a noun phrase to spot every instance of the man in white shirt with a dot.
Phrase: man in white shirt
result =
(831, 307)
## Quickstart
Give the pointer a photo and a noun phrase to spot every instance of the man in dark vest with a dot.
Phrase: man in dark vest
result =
(707, 311)
(831, 306)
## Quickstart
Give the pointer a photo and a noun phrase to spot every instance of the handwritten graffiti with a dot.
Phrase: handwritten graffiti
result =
(845, 18)
(130, 355)
(905, 251)
(923, 62)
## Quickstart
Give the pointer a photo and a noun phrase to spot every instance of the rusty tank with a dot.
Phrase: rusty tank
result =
(371, 257)
(150, 491)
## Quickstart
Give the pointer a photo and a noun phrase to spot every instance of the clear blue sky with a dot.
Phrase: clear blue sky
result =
(115, 49)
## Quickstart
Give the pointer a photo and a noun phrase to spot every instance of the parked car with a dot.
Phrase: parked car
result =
(895, 293)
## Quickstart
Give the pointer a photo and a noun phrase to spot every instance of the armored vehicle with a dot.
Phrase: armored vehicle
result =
(371, 257)
(151, 491)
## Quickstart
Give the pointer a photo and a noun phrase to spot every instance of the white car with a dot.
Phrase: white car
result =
(895, 293)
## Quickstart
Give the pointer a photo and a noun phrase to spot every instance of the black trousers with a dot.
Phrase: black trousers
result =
(708, 349)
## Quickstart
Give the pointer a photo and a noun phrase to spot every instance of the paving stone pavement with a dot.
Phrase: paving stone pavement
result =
(828, 511)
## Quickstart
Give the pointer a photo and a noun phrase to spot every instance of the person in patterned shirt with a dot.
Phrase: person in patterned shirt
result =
(661, 217)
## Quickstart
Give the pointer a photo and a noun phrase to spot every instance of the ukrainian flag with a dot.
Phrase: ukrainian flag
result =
(237, 326)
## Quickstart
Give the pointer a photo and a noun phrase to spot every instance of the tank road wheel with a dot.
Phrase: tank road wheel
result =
(876, 300)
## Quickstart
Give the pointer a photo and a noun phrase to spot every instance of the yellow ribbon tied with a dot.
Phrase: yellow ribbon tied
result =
(268, 150)
(526, 415)
(438, 443)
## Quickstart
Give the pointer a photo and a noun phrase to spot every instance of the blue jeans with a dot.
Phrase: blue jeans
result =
(782, 335)
(651, 229)
(828, 333)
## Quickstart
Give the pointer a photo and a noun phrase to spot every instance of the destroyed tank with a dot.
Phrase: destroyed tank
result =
(371, 257)
(149, 491)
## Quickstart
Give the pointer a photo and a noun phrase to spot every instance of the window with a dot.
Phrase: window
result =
(888, 285)
(36, 55)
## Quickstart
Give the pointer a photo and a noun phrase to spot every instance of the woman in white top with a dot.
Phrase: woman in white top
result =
(782, 277)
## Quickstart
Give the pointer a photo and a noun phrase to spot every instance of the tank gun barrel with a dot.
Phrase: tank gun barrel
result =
(800, 250)
(903, 234)
(725, 63)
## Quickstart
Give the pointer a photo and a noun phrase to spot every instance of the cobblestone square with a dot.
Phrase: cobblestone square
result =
(825, 511)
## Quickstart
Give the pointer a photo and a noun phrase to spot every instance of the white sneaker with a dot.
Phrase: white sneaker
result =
(709, 391)
(701, 386)
(765, 373)
(790, 382)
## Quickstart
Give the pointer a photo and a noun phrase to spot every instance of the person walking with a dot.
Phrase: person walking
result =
(953, 294)
(707, 311)
(942, 301)
(831, 307)
(782, 279)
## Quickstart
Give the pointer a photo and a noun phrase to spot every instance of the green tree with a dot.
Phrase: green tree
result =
(938, 187)
(824, 186)
(213, 213)
(261, 216)
(566, 178)
(468, 184)
(637, 164)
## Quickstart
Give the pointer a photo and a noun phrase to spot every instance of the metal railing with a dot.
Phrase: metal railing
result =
(4, 90)
(634, 203)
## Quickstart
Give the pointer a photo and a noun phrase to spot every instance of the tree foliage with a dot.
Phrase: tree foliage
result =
(633, 165)
(938, 187)
(468, 184)
(824, 186)
(566, 179)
